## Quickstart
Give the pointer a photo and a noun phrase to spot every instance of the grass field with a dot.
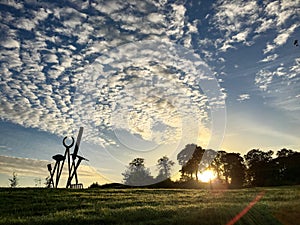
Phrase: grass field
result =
(280, 205)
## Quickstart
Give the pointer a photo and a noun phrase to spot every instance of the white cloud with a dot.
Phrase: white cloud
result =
(282, 10)
(265, 25)
(281, 13)
(142, 91)
(109, 7)
(269, 48)
(41, 15)
(156, 18)
(13, 3)
(236, 19)
(270, 58)
(243, 97)
(23, 166)
(263, 79)
(50, 58)
(226, 45)
(280, 85)
(284, 35)
(26, 24)
(10, 43)
(272, 8)
(54, 64)
(241, 37)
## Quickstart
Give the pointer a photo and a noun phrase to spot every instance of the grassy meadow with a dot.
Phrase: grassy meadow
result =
(279, 205)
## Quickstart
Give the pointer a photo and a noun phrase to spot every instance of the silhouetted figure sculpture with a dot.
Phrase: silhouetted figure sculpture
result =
(72, 166)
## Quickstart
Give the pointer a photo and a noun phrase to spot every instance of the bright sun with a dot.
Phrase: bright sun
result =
(206, 176)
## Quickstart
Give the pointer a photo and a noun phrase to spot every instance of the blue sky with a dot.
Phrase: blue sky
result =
(144, 78)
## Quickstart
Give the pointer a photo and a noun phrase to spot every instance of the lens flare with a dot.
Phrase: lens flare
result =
(207, 176)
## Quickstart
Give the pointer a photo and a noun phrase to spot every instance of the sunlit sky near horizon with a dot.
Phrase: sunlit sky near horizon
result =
(144, 78)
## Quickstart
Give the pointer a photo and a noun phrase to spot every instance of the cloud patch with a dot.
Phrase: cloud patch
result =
(280, 85)
(242, 21)
(47, 52)
(24, 167)
(243, 97)
(270, 58)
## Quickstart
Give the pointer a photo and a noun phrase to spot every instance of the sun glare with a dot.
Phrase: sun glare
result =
(206, 176)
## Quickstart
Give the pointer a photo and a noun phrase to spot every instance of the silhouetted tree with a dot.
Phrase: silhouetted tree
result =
(164, 166)
(234, 169)
(189, 169)
(137, 174)
(186, 154)
(218, 164)
(260, 171)
(207, 158)
(48, 182)
(190, 158)
(285, 153)
(14, 181)
(288, 166)
(95, 185)
(197, 160)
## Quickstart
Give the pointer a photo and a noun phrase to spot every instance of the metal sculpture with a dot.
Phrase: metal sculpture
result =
(74, 161)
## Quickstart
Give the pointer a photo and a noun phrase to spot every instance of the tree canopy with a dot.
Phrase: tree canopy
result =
(137, 174)
(255, 168)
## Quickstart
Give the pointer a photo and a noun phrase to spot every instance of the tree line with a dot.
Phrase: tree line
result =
(137, 174)
(255, 168)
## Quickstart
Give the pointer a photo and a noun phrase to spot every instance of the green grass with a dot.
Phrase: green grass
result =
(280, 205)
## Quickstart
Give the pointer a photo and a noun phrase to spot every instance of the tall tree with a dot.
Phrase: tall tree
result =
(197, 162)
(288, 165)
(164, 166)
(218, 164)
(260, 171)
(137, 174)
(190, 158)
(186, 154)
(234, 169)
(189, 169)
(206, 158)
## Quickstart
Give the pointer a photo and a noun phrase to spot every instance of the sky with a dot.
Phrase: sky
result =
(144, 78)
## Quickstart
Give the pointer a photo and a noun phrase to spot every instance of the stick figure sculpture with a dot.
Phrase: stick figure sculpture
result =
(72, 165)
(76, 160)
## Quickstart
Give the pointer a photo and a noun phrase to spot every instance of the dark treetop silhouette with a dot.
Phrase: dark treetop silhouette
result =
(256, 168)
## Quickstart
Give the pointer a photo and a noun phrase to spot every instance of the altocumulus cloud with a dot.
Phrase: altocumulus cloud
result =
(48, 47)
(244, 21)
(281, 85)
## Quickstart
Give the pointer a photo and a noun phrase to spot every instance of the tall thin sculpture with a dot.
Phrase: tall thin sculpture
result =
(74, 161)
